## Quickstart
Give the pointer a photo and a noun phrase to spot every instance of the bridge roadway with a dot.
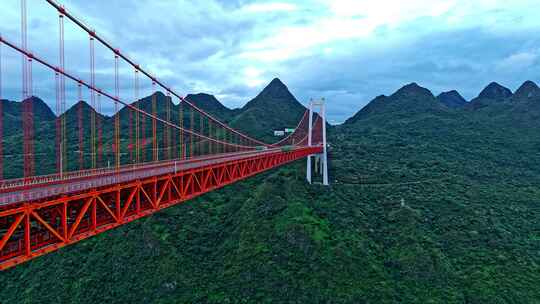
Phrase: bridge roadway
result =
(17, 191)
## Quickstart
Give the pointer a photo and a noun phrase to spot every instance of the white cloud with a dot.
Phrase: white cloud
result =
(232, 50)
(345, 19)
(519, 60)
(269, 7)
(252, 77)
(389, 11)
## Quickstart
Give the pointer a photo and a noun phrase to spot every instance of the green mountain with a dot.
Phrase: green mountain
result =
(44, 121)
(274, 108)
(212, 106)
(452, 99)
(407, 101)
(494, 93)
(71, 117)
(427, 204)
(145, 104)
(439, 192)
(12, 111)
(526, 92)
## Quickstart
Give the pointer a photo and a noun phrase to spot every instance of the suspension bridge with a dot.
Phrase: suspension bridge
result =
(109, 172)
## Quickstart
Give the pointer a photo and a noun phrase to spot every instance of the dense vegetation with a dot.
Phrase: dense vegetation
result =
(428, 204)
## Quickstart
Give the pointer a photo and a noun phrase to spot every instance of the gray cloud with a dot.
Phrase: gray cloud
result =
(202, 45)
(464, 60)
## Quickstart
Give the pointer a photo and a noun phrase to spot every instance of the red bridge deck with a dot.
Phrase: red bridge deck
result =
(45, 215)
(38, 188)
(39, 214)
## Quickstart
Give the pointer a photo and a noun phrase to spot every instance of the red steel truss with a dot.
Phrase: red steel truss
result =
(39, 227)
(192, 153)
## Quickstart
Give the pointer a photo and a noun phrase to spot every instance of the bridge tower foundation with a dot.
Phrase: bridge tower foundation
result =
(323, 157)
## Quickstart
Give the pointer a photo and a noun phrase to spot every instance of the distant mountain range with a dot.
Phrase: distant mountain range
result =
(274, 108)
(413, 98)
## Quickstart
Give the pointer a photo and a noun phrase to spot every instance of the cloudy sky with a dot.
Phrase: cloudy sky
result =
(348, 51)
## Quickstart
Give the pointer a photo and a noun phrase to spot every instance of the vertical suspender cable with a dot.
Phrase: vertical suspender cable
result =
(181, 123)
(191, 122)
(99, 123)
(116, 114)
(27, 103)
(229, 140)
(93, 104)
(131, 143)
(58, 123)
(63, 96)
(218, 136)
(164, 133)
(223, 139)
(141, 120)
(201, 131)
(25, 48)
(155, 156)
(172, 133)
(226, 139)
(143, 126)
(1, 120)
(30, 113)
(60, 101)
(210, 143)
(137, 119)
(167, 131)
(80, 126)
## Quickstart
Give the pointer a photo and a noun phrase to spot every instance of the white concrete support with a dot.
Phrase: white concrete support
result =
(321, 163)
(308, 168)
(325, 158)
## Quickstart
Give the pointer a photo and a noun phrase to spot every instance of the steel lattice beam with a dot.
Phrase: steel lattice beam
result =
(40, 227)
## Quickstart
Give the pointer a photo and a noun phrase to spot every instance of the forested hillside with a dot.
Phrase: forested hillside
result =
(275, 108)
(428, 203)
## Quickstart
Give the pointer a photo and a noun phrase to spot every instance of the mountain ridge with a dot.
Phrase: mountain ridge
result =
(275, 107)
(410, 98)
(210, 104)
(528, 90)
(493, 94)
(452, 99)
